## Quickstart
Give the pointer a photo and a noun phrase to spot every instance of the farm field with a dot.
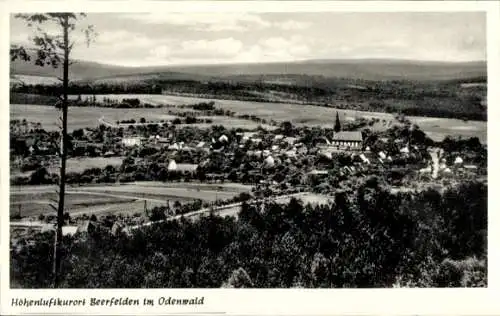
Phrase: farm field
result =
(231, 123)
(76, 165)
(155, 99)
(33, 80)
(437, 128)
(82, 117)
(226, 187)
(34, 203)
(106, 199)
(80, 164)
(180, 193)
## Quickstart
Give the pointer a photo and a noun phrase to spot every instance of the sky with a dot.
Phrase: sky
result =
(167, 38)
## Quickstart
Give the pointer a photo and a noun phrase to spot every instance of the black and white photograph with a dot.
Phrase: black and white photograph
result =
(254, 150)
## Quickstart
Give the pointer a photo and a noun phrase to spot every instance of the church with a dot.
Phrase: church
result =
(347, 140)
(344, 140)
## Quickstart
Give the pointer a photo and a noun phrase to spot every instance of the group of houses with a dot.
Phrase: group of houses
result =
(438, 166)
(161, 142)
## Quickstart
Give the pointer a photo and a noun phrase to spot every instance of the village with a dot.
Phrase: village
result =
(288, 160)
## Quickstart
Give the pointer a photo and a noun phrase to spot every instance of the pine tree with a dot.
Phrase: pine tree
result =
(54, 50)
(337, 124)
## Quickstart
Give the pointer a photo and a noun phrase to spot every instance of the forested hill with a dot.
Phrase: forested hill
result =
(367, 69)
(452, 90)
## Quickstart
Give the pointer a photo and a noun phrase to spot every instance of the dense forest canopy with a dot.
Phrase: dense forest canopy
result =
(369, 237)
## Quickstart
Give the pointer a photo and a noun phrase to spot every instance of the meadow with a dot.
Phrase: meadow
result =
(81, 117)
(74, 164)
(80, 164)
(120, 198)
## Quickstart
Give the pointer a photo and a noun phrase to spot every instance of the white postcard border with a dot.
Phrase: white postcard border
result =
(262, 301)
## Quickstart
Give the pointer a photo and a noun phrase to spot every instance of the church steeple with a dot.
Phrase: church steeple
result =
(337, 127)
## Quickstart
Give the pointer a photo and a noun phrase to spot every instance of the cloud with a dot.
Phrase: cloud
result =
(160, 52)
(228, 37)
(291, 25)
(276, 49)
(230, 50)
(294, 47)
(123, 38)
(20, 38)
(234, 21)
(194, 51)
(275, 42)
(114, 36)
(226, 47)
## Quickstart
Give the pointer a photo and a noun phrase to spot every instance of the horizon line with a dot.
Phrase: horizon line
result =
(353, 59)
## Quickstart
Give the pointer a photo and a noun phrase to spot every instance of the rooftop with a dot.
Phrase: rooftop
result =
(348, 136)
(186, 167)
(318, 172)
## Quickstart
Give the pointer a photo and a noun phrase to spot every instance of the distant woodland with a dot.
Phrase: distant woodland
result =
(448, 99)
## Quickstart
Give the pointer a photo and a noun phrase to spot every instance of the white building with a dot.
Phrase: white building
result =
(459, 161)
(69, 230)
(223, 139)
(172, 165)
(290, 140)
(269, 161)
(364, 159)
(174, 147)
(131, 141)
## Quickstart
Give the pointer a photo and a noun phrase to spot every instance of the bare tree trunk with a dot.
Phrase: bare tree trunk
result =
(64, 153)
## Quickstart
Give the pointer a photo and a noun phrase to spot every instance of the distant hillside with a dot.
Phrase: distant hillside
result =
(79, 70)
(364, 69)
(350, 69)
